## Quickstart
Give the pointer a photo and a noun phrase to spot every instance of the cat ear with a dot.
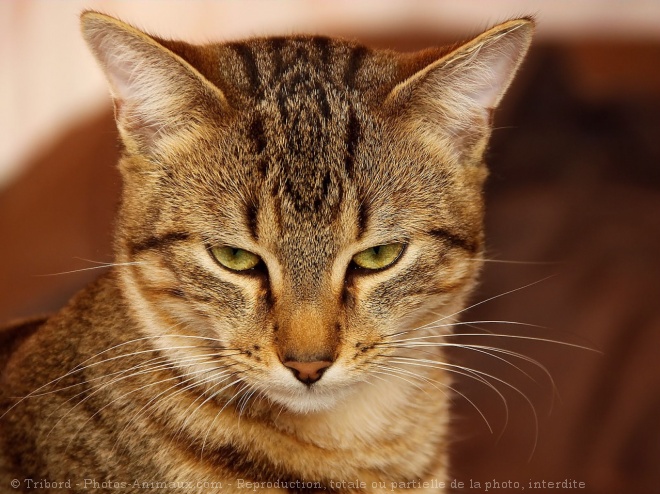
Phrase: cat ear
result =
(452, 98)
(158, 96)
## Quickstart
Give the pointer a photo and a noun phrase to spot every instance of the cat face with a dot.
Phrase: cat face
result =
(292, 204)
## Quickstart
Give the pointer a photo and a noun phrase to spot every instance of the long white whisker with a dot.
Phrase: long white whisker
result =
(433, 382)
(238, 380)
(421, 339)
(472, 306)
(467, 372)
(113, 401)
(525, 263)
(445, 365)
(390, 371)
(142, 369)
(162, 361)
(490, 351)
(209, 398)
(470, 323)
(108, 265)
(193, 383)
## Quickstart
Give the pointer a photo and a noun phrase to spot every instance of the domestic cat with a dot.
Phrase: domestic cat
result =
(296, 212)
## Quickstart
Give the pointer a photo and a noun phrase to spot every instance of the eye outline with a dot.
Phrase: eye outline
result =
(258, 269)
(357, 269)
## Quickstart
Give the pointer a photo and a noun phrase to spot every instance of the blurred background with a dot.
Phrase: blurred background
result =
(573, 210)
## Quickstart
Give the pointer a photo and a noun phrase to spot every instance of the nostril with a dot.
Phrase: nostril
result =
(308, 372)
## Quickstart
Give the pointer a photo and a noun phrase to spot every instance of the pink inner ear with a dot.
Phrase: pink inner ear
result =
(132, 119)
(484, 71)
(119, 76)
(122, 66)
(493, 81)
(139, 82)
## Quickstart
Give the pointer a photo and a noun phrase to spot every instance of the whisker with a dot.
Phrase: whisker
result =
(390, 372)
(488, 350)
(110, 403)
(188, 362)
(525, 263)
(445, 365)
(472, 306)
(137, 415)
(493, 335)
(209, 398)
(162, 361)
(108, 265)
(100, 387)
(195, 383)
(78, 368)
(433, 383)
(83, 365)
(248, 392)
(238, 380)
(151, 361)
(470, 373)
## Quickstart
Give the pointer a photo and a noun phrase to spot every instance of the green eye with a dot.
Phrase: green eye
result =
(378, 257)
(235, 259)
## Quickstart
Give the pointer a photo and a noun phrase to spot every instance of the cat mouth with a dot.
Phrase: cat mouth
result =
(306, 395)
(306, 400)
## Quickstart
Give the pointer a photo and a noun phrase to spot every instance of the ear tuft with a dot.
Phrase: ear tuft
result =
(153, 88)
(492, 60)
(452, 97)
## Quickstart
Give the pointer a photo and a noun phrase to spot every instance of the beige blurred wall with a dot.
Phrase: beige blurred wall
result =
(48, 80)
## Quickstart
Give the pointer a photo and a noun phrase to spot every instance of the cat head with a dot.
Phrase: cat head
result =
(291, 204)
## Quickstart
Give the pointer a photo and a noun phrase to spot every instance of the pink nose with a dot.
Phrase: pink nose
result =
(308, 372)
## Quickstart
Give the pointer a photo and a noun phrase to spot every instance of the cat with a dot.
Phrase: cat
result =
(300, 216)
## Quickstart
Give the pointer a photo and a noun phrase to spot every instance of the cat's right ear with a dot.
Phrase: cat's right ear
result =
(449, 102)
(158, 96)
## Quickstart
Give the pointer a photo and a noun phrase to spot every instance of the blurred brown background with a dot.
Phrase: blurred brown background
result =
(574, 194)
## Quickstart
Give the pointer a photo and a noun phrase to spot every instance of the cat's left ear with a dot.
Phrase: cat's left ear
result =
(449, 102)
(159, 97)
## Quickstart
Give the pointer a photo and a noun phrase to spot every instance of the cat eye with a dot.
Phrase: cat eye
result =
(235, 259)
(379, 256)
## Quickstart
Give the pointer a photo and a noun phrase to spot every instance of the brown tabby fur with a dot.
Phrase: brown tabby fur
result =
(305, 151)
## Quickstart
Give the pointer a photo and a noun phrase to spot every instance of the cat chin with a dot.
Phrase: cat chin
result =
(307, 401)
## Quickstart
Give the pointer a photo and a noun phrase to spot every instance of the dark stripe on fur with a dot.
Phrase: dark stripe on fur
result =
(363, 219)
(251, 219)
(325, 187)
(244, 463)
(257, 134)
(12, 336)
(276, 45)
(250, 67)
(281, 105)
(322, 99)
(352, 137)
(323, 45)
(353, 66)
(170, 292)
(455, 240)
(179, 294)
(165, 240)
